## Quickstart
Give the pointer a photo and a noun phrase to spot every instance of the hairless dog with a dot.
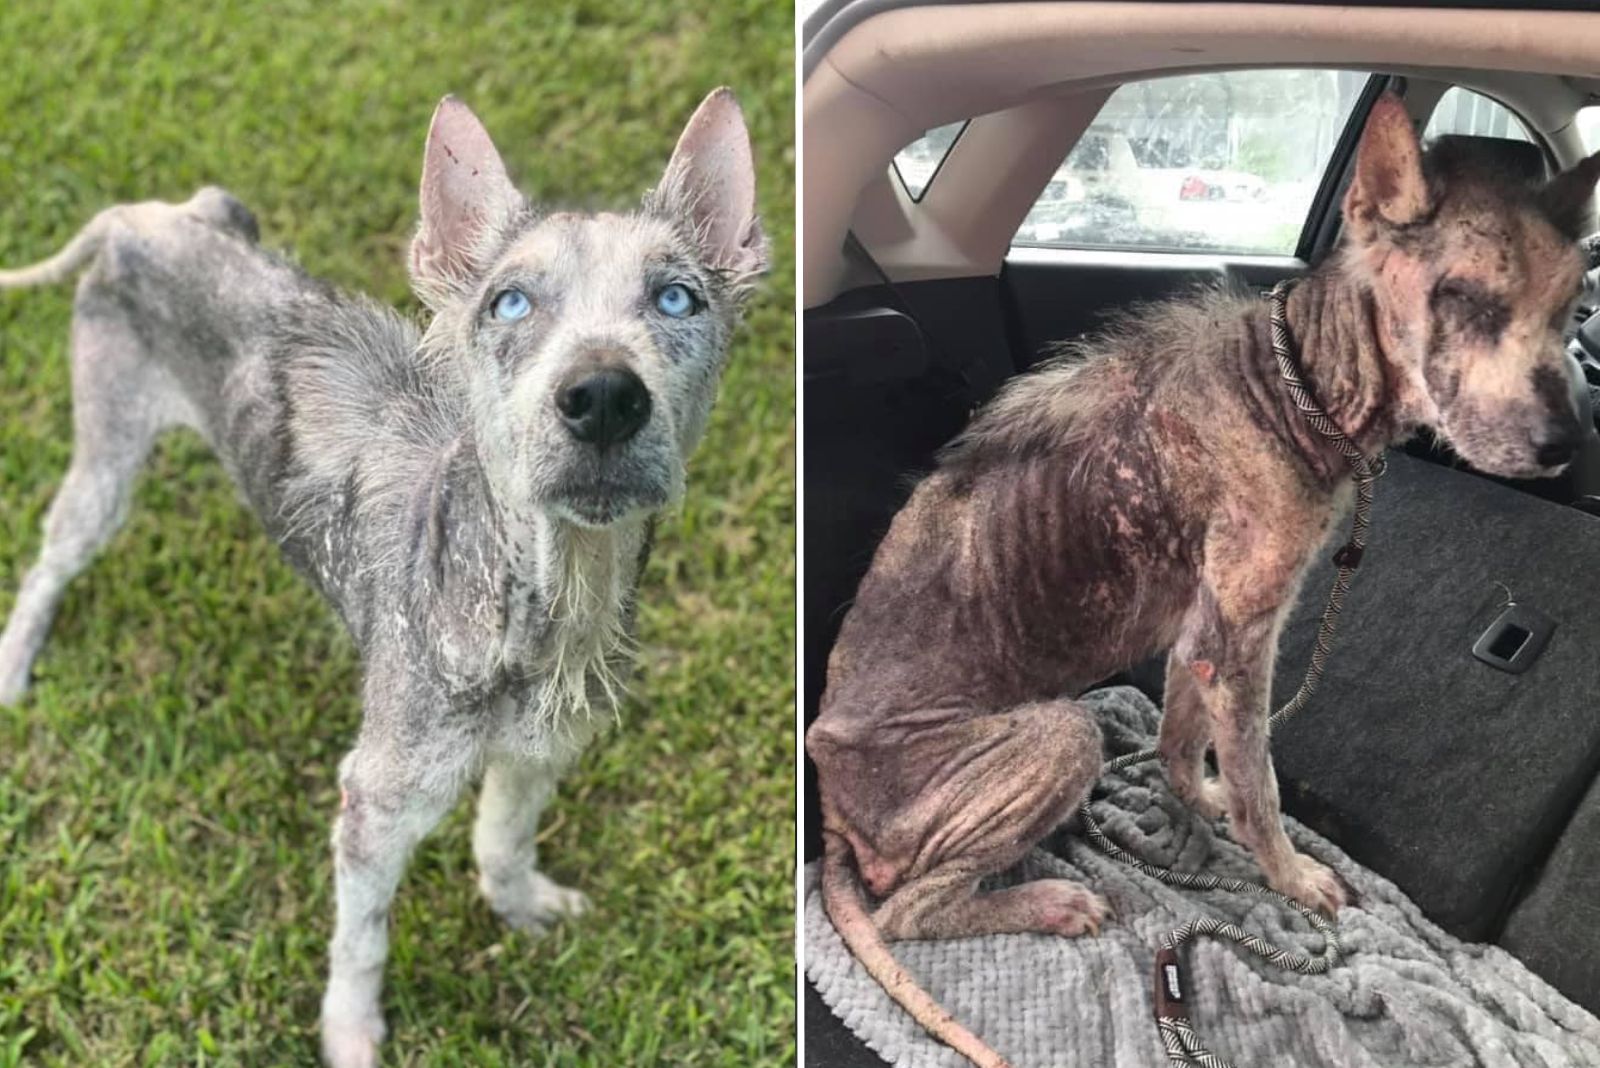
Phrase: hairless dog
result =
(1155, 488)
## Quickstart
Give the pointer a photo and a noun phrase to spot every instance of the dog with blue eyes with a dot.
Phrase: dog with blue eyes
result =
(474, 498)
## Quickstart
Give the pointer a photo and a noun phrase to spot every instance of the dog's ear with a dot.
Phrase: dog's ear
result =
(1566, 198)
(1389, 186)
(466, 201)
(711, 183)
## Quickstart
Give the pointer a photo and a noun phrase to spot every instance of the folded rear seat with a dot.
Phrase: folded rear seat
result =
(1452, 777)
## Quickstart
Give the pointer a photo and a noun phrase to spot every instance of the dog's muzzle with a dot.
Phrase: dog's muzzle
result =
(605, 407)
(616, 463)
(1568, 423)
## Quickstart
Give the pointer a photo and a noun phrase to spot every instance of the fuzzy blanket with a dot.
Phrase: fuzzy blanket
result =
(1405, 993)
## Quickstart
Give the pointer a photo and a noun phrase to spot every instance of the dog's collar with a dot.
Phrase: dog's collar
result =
(1362, 469)
(1283, 349)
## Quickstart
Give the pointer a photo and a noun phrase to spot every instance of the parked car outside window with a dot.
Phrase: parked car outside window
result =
(1208, 162)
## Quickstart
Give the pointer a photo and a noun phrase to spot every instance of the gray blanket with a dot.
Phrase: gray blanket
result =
(1405, 992)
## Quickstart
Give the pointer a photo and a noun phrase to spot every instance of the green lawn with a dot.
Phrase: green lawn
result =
(166, 792)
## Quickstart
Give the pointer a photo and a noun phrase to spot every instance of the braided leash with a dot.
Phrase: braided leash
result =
(1183, 1045)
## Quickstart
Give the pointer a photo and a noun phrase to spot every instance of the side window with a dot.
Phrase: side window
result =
(918, 161)
(1461, 111)
(1589, 128)
(1226, 162)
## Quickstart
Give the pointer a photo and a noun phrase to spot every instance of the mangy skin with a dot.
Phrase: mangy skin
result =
(1156, 489)
(483, 558)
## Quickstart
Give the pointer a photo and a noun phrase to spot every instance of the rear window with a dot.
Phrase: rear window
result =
(1225, 162)
(1589, 128)
(918, 162)
(1461, 111)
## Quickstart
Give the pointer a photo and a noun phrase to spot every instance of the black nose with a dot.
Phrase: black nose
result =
(1559, 448)
(604, 407)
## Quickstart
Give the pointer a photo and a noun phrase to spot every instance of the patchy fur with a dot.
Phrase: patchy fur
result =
(1152, 488)
(441, 487)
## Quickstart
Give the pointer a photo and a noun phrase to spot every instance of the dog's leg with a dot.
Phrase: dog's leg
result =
(115, 420)
(946, 904)
(1230, 661)
(504, 842)
(1240, 731)
(1185, 736)
(384, 813)
(971, 797)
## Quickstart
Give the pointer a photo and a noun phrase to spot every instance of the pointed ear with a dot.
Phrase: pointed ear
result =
(711, 183)
(1389, 187)
(1566, 198)
(466, 200)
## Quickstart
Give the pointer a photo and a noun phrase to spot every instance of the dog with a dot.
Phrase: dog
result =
(1156, 489)
(475, 499)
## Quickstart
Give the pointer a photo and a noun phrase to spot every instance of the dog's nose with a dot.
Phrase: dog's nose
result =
(604, 407)
(1559, 447)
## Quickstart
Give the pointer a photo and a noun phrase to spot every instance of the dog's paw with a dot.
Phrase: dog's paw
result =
(350, 1039)
(1068, 909)
(534, 903)
(1314, 885)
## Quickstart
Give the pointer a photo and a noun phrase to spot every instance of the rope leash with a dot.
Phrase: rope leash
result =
(1183, 1045)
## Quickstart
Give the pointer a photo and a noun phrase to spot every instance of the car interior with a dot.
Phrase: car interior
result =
(953, 231)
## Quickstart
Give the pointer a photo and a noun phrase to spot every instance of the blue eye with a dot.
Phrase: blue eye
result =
(676, 300)
(510, 305)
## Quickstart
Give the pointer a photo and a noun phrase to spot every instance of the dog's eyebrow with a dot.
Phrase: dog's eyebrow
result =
(531, 280)
(671, 260)
(502, 280)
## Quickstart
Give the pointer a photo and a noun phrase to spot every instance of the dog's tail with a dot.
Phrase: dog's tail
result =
(58, 268)
(842, 897)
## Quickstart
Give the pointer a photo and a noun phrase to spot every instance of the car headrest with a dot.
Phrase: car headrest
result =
(1520, 159)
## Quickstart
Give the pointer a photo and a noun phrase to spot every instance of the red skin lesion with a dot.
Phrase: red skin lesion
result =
(1204, 670)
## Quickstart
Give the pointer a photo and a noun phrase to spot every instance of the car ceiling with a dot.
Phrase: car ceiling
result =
(1036, 74)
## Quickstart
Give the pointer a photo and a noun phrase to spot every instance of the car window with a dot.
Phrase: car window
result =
(917, 163)
(1226, 162)
(1461, 111)
(1589, 128)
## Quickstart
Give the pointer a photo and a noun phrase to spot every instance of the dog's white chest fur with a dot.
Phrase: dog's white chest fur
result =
(571, 642)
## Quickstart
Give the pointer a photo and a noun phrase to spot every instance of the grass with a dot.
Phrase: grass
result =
(166, 791)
